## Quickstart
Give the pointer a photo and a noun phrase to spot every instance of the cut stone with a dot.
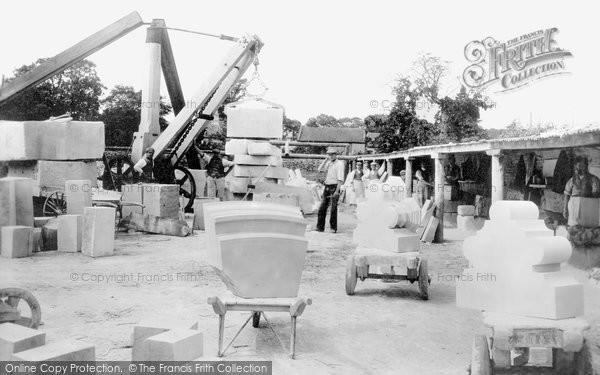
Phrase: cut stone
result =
(466, 223)
(98, 233)
(78, 194)
(429, 233)
(199, 211)
(68, 350)
(263, 149)
(306, 198)
(237, 146)
(16, 201)
(39, 222)
(51, 140)
(258, 171)
(274, 161)
(51, 176)
(465, 210)
(161, 200)
(280, 198)
(175, 345)
(69, 233)
(132, 194)
(254, 119)
(151, 327)
(15, 338)
(16, 241)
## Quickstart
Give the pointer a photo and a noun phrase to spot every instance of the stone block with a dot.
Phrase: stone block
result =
(132, 194)
(280, 198)
(175, 345)
(254, 119)
(51, 176)
(161, 200)
(16, 241)
(51, 140)
(237, 146)
(398, 240)
(429, 233)
(78, 194)
(40, 221)
(199, 211)
(69, 233)
(151, 327)
(16, 201)
(199, 176)
(263, 149)
(259, 170)
(67, 350)
(98, 233)
(465, 210)
(466, 223)
(274, 161)
(15, 338)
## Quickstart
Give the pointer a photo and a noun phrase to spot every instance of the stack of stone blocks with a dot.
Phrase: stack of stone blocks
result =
(23, 344)
(17, 239)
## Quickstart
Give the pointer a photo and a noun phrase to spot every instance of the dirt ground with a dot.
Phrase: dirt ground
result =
(385, 328)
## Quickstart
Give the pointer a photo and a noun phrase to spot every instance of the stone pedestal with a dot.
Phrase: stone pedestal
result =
(98, 231)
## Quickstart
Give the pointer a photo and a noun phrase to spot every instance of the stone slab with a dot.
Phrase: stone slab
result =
(161, 200)
(465, 210)
(98, 233)
(151, 327)
(429, 233)
(199, 211)
(263, 149)
(16, 241)
(254, 119)
(274, 161)
(69, 232)
(306, 198)
(237, 146)
(158, 225)
(133, 194)
(67, 350)
(281, 198)
(49, 176)
(51, 140)
(15, 338)
(259, 170)
(175, 345)
(78, 194)
(16, 201)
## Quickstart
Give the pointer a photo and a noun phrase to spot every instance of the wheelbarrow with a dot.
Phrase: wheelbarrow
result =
(10, 311)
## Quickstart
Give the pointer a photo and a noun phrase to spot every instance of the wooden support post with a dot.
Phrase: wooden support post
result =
(390, 167)
(497, 174)
(409, 177)
(439, 195)
(293, 338)
(221, 334)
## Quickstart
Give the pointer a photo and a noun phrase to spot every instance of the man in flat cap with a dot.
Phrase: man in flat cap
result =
(333, 184)
(216, 171)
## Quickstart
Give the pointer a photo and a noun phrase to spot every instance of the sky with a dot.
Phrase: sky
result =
(334, 57)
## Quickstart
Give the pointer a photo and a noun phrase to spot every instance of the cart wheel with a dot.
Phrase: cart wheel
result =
(255, 319)
(121, 173)
(424, 280)
(187, 186)
(350, 276)
(480, 357)
(12, 297)
(55, 204)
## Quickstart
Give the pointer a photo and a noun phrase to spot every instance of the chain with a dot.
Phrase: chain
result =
(191, 124)
(256, 77)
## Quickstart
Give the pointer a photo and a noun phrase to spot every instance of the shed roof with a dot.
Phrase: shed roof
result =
(331, 134)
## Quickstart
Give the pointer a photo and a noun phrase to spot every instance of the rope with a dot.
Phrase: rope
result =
(220, 36)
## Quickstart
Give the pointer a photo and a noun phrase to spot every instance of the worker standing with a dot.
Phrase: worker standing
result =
(333, 184)
(582, 184)
(145, 166)
(216, 172)
(423, 183)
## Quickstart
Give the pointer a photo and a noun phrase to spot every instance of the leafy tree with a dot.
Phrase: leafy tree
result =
(374, 123)
(76, 90)
(458, 118)
(291, 128)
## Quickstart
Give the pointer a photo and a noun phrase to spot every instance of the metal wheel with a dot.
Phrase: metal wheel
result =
(12, 297)
(480, 357)
(423, 279)
(351, 276)
(55, 204)
(187, 186)
(120, 172)
(255, 319)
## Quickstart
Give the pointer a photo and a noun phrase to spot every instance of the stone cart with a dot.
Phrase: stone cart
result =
(371, 263)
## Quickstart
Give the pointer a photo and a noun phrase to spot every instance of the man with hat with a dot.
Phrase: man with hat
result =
(333, 184)
(215, 172)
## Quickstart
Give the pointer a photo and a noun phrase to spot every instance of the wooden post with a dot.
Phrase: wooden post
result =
(409, 177)
(439, 195)
(497, 175)
(390, 167)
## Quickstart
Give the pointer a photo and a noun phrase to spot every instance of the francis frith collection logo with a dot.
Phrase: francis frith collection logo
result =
(515, 63)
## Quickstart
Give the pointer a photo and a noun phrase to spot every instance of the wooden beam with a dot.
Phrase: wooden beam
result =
(72, 55)
(169, 69)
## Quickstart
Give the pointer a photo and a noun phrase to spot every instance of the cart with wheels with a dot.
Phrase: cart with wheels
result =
(518, 344)
(371, 263)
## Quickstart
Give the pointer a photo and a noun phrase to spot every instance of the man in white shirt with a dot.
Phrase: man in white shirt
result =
(333, 183)
(145, 166)
(216, 167)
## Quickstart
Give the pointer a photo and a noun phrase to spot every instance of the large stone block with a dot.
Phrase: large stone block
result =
(259, 170)
(274, 161)
(16, 201)
(78, 194)
(263, 149)
(161, 200)
(16, 241)
(69, 232)
(254, 119)
(68, 351)
(51, 140)
(51, 176)
(151, 327)
(281, 198)
(98, 234)
(237, 146)
(132, 194)
(199, 211)
(15, 338)
(175, 345)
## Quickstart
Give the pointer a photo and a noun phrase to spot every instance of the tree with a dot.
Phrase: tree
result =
(291, 128)
(121, 115)
(458, 118)
(76, 90)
